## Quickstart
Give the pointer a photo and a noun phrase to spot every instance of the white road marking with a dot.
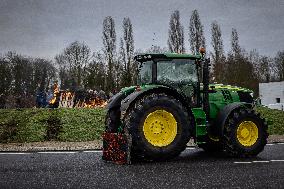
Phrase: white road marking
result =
(58, 152)
(263, 161)
(190, 148)
(14, 153)
(260, 161)
(273, 160)
(93, 151)
(271, 144)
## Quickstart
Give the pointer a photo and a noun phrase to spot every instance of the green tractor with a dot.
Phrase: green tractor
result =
(174, 102)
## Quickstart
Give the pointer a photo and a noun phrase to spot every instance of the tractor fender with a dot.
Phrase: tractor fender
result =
(125, 103)
(224, 114)
(131, 99)
(115, 101)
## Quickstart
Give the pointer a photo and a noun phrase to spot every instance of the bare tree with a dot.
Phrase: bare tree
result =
(127, 53)
(239, 70)
(122, 65)
(218, 55)
(236, 49)
(196, 35)
(176, 34)
(95, 78)
(6, 80)
(264, 69)
(254, 58)
(78, 56)
(22, 78)
(234, 60)
(109, 42)
(63, 71)
(22, 73)
(279, 65)
(44, 73)
(72, 63)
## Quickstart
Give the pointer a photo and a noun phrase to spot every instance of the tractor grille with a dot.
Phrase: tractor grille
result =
(245, 97)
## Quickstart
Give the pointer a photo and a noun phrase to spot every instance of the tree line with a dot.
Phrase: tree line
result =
(21, 77)
(238, 67)
(112, 67)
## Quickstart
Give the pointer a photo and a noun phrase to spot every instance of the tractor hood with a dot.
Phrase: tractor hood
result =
(229, 87)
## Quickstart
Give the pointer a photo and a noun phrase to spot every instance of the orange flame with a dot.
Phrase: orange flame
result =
(66, 100)
(67, 96)
(94, 103)
(55, 93)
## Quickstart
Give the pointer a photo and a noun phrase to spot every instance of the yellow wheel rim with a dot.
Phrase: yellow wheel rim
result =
(247, 133)
(160, 128)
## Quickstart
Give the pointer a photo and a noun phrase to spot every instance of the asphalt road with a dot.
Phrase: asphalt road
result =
(192, 169)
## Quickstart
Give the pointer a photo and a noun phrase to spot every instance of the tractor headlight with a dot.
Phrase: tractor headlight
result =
(251, 94)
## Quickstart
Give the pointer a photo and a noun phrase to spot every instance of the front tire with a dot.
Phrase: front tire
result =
(245, 133)
(159, 126)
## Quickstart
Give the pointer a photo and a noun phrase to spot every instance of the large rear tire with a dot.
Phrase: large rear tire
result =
(159, 126)
(245, 133)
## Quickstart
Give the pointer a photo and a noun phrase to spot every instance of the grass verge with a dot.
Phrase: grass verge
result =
(35, 125)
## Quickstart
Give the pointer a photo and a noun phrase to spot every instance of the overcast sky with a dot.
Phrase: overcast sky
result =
(45, 27)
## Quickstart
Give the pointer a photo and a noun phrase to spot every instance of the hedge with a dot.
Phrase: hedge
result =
(34, 125)
(63, 124)
(275, 120)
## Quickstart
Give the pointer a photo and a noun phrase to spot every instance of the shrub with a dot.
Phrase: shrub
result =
(53, 125)
(275, 119)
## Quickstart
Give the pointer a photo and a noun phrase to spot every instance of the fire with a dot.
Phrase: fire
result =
(55, 93)
(67, 96)
(67, 99)
(94, 103)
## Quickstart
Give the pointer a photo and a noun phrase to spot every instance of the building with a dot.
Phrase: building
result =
(272, 94)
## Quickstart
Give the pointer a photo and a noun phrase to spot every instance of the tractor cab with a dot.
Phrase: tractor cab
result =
(167, 69)
(176, 71)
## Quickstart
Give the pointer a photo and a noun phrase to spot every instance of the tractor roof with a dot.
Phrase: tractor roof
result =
(151, 56)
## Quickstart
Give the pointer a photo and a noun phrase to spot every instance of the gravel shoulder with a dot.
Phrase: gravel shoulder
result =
(89, 145)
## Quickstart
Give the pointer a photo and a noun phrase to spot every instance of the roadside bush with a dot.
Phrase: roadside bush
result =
(53, 125)
(275, 119)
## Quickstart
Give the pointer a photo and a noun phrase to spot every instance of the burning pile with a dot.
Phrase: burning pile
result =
(91, 103)
(77, 99)
(55, 94)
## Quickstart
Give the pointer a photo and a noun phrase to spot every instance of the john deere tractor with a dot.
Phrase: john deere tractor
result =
(174, 102)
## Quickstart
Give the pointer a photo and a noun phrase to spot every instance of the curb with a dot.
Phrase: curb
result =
(51, 146)
(79, 146)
